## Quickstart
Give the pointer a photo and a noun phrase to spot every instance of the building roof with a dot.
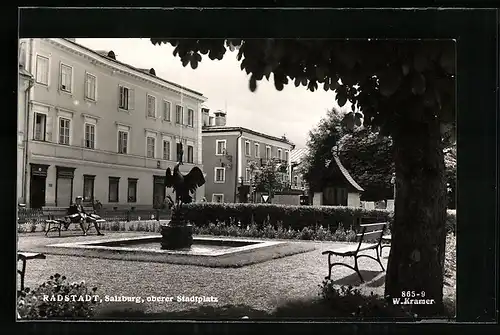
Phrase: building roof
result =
(298, 154)
(103, 54)
(224, 129)
(346, 174)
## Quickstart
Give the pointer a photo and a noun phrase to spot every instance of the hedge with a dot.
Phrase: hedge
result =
(288, 216)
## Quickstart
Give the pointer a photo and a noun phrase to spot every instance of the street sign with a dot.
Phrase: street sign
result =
(265, 197)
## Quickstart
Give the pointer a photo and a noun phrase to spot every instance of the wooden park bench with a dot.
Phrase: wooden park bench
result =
(26, 256)
(370, 238)
(56, 219)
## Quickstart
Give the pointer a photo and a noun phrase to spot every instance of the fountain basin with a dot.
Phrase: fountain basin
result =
(201, 246)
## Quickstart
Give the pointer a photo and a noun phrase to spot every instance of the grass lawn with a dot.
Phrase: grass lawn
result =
(252, 290)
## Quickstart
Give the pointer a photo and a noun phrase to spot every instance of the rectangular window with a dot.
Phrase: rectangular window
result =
(286, 156)
(114, 187)
(178, 114)
(279, 154)
(89, 136)
(90, 86)
(180, 152)
(122, 142)
(132, 190)
(124, 98)
(268, 152)
(42, 70)
(166, 150)
(247, 148)
(64, 128)
(295, 181)
(218, 198)
(257, 150)
(88, 187)
(220, 148)
(166, 110)
(190, 117)
(150, 143)
(190, 158)
(151, 108)
(220, 174)
(66, 77)
(40, 126)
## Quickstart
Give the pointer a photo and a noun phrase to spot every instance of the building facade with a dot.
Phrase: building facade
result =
(25, 82)
(228, 153)
(103, 129)
(297, 161)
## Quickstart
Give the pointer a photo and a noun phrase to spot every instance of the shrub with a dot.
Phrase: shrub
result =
(114, 226)
(32, 305)
(346, 301)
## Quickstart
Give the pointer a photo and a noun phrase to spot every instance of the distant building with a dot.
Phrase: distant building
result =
(337, 188)
(297, 162)
(228, 153)
(101, 128)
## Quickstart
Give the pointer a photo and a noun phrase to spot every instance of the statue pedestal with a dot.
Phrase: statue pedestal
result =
(177, 234)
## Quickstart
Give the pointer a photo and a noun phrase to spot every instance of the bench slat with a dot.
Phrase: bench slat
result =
(370, 233)
(373, 224)
(353, 248)
(30, 255)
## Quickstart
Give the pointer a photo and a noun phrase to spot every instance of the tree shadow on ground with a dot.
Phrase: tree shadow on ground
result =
(353, 279)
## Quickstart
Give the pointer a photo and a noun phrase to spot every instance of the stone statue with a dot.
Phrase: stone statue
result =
(183, 185)
(178, 234)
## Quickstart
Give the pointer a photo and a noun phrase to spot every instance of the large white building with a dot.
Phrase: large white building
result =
(101, 128)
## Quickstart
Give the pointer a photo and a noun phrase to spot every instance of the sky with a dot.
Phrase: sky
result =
(291, 112)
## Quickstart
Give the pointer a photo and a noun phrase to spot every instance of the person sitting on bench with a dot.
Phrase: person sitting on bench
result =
(77, 214)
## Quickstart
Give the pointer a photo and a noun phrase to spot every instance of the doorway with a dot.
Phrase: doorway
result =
(37, 191)
(64, 186)
(158, 191)
(37, 185)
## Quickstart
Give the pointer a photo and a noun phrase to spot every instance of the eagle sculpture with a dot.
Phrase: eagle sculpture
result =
(184, 185)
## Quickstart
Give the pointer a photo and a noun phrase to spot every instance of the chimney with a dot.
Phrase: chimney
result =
(211, 121)
(220, 118)
(205, 116)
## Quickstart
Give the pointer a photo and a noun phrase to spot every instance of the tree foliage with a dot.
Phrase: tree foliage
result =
(320, 143)
(391, 82)
(270, 176)
(369, 158)
(406, 89)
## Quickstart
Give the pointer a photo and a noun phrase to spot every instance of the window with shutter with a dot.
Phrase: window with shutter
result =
(123, 98)
(66, 78)
(42, 70)
(151, 107)
(90, 86)
(178, 114)
(166, 110)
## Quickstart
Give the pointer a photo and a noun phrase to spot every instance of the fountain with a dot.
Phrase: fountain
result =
(178, 233)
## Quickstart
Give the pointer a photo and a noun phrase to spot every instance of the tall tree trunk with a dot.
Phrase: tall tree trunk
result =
(416, 261)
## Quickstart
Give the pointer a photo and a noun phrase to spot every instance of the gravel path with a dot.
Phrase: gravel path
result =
(262, 286)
